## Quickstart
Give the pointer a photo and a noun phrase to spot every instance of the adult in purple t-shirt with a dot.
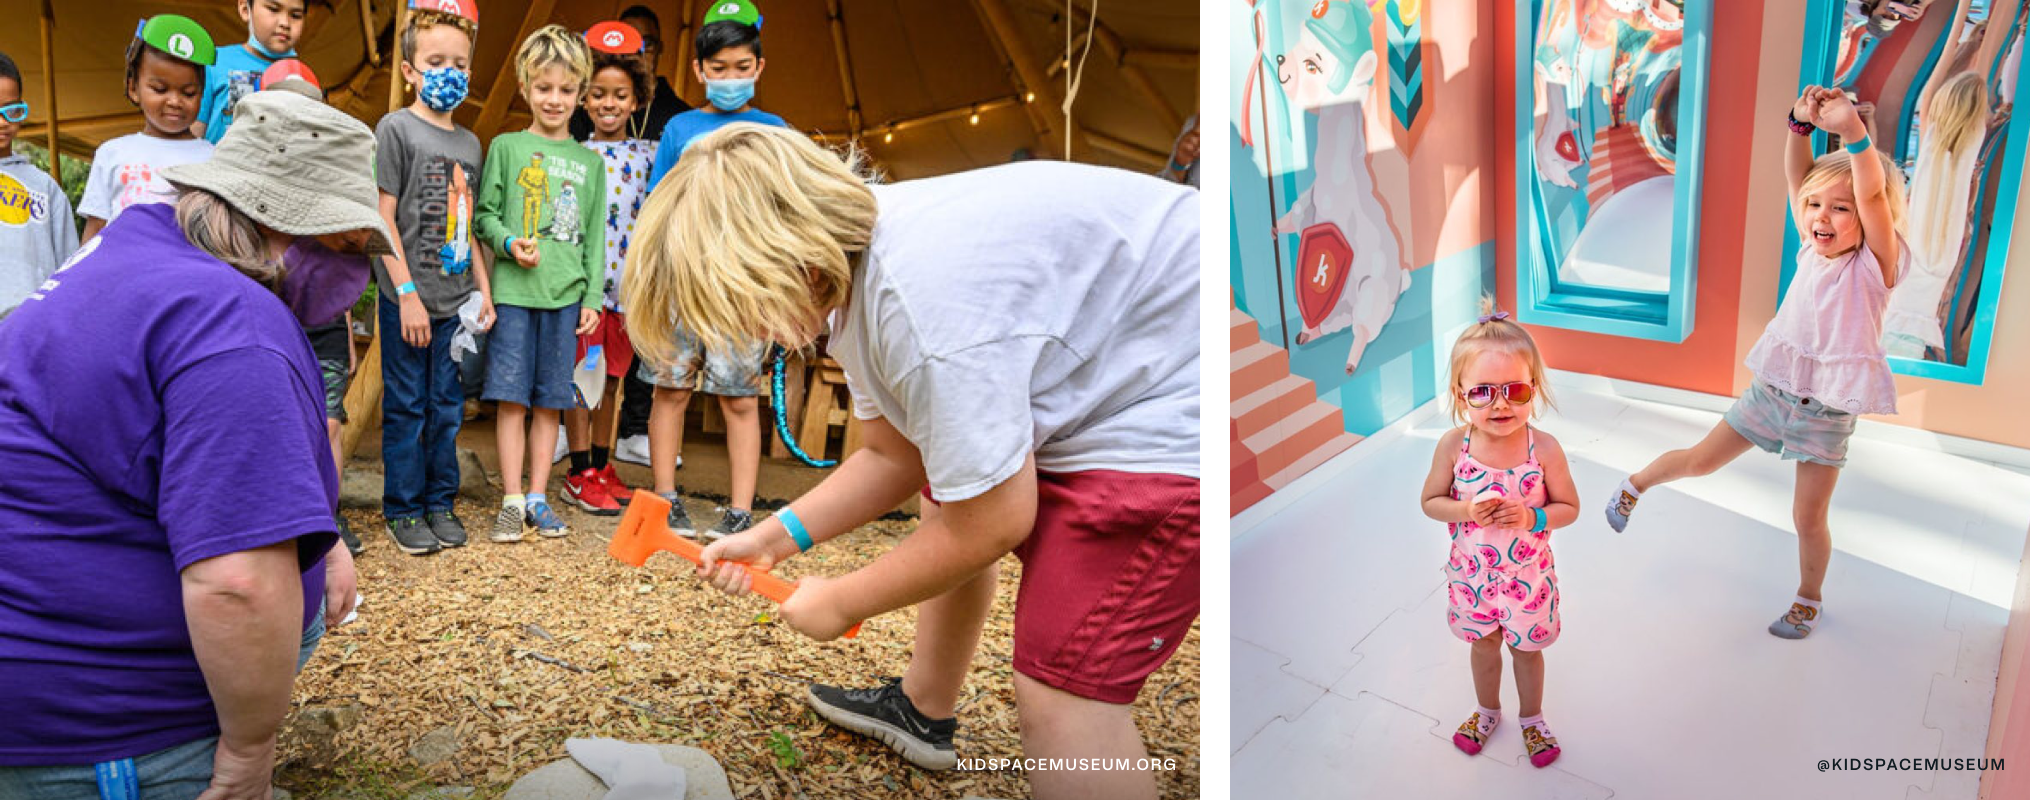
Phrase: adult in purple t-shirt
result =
(166, 489)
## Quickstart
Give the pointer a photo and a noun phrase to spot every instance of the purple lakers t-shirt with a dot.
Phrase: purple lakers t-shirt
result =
(157, 408)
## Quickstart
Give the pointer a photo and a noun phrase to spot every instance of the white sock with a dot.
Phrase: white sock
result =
(1534, 722)
(1814, 605)
(1628, 485)
(514, 501)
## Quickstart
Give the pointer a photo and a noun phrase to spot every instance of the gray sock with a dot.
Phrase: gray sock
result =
(1798, 622)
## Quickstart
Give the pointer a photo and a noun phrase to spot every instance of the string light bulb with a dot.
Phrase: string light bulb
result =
(888, 138)
(976, 116)
(1029, 98)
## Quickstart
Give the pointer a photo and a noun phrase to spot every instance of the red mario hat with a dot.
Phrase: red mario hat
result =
(289, 68)
(617, 38)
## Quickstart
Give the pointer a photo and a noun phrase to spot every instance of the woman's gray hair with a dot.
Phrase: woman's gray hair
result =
(216, 227)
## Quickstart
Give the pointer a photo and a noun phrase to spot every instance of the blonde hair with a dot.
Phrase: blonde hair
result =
(216, 227)
(1493, 336)
(1836, 168)
(1958, 112)
(748, 237)
(423, 19)
(554, 44)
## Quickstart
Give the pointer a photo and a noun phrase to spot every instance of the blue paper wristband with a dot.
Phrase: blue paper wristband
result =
(406, 288)
(795, 526)
(1857, 146)
(1543, 520)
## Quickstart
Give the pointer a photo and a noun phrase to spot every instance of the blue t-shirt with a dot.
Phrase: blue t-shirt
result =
(687, 127)
(234, 73)
(143, 391)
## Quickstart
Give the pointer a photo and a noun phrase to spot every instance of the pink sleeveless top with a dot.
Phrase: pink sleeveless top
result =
(1826, 340)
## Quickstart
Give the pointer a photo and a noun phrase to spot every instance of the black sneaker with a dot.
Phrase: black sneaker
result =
(413, 537)
(680, 520)
(445, 526)
(735, 521)
(352, 543)
(886, 714)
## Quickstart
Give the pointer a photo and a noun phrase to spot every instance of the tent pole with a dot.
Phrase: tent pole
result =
(500, 94)
(1111, 44)
(366, 32)
(49, 86)
(682, 66)
(1164, 59)
(845, 68)
(395, 82)
(1001, 23)
(1127, 149)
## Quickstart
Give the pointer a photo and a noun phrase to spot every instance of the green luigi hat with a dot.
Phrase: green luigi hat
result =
(736, 10)
(177, 36)
(1343, 28)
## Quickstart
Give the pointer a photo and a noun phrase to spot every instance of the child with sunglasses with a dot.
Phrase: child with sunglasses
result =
(36, 230)
(1501, 486)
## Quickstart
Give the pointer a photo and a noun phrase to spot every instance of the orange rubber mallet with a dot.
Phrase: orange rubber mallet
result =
(645, 529)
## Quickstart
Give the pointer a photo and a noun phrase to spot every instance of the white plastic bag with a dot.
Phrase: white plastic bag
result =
(466, 339)
(588, 379)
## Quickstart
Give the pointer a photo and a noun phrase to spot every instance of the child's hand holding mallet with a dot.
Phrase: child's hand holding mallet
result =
(527, 253)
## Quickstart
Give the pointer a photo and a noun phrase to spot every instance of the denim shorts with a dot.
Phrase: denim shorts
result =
(179, 772)
(737, 371)
(1796, 428)
(529, 356)
(334, 363)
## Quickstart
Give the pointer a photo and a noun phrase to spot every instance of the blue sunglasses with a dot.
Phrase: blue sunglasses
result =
(14, 112)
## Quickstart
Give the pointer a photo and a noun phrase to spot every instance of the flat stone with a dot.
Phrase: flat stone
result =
(436, 747)
(704, 779)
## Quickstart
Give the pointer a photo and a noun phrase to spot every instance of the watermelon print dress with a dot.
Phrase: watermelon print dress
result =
(1501, 580)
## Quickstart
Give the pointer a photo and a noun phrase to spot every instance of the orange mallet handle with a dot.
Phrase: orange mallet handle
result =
(645, 530)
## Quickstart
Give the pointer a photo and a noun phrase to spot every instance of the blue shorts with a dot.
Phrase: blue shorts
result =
(529, 356)
(1797, 428)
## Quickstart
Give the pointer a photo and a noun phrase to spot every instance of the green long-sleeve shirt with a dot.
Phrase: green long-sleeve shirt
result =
(552, 191)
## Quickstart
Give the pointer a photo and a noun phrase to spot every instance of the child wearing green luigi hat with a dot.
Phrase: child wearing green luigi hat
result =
(165, 77)
(728, 63)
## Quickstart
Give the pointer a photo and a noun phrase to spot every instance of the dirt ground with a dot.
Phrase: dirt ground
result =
(507, 650)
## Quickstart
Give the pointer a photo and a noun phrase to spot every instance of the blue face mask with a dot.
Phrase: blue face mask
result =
(444, 88)
(731, 94)
(265, 53)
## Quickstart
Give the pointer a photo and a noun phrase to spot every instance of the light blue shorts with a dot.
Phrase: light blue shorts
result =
(1796, 428)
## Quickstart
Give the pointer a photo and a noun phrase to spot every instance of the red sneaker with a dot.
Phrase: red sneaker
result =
(610, 481)
(586, 491)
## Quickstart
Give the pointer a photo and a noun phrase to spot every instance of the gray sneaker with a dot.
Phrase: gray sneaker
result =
(735, 521)
(445, 526)
(1796, 624)
(510, 525)
(412, 536)
(680, 520)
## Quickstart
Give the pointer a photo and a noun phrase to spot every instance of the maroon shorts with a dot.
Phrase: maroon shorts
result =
(1109, 580)
(612, 335)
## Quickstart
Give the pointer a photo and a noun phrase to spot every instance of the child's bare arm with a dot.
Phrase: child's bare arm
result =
(1438, 502)
(92, 227)
(1797, 152)
(1871, 181)
(1561, 496)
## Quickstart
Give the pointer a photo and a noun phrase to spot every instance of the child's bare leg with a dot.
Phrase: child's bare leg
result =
(666, 435)
(1059, 724)
(542, 442)
(603, 418)
(743, 447)
(331, 429)
(947, 632)
(1814, 536)
(511, 433)
(1487, 670)
(577, 429)
(1722, 445)
(1529, 681)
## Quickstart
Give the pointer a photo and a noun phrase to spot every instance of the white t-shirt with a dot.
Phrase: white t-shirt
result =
(1037, 307)
(128, 171)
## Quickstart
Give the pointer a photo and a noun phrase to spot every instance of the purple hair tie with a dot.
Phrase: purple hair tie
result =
(1494, 316)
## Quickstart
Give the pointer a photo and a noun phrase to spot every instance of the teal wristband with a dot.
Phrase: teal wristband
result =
(405, 289)
(795, 526)
(1543, 520)
(1858, 146)
(507, 244)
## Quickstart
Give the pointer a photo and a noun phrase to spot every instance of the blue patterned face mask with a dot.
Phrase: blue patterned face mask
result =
(444, 88)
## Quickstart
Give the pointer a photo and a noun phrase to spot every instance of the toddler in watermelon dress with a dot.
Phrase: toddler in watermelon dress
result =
(1501, 486)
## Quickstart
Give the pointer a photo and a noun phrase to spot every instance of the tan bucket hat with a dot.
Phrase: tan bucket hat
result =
(295, 165)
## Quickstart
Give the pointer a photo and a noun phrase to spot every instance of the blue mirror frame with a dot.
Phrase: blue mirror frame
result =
(1543, 299)
(1815, 67)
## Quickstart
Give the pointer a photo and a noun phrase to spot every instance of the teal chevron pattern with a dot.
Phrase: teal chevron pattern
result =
(1406, 65)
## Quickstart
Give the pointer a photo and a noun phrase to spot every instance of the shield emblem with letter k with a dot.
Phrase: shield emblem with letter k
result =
(1323, 259)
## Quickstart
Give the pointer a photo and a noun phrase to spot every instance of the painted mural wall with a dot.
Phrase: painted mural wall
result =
(1363, 142)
